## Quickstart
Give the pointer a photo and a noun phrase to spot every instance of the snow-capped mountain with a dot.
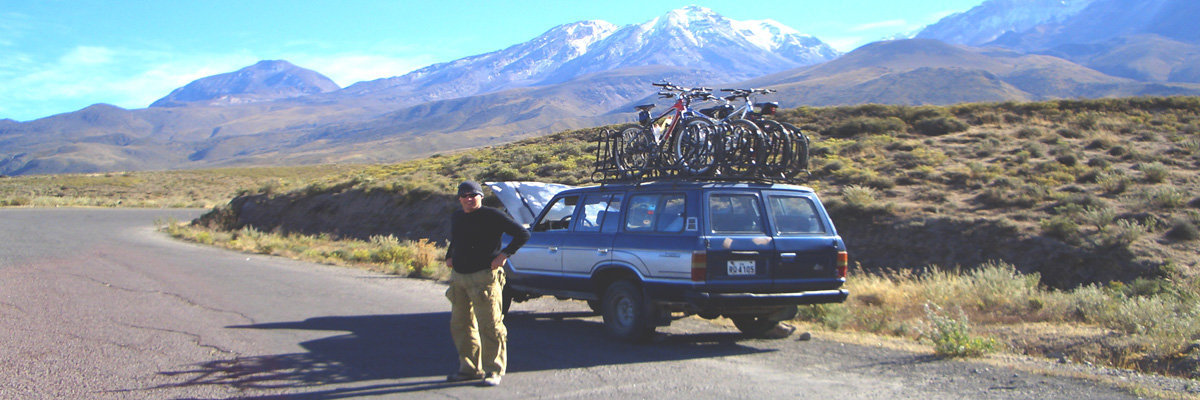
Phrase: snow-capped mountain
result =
(696, 37)
(691, 37)
(994, 18)
(517, 65)
(1103, 20)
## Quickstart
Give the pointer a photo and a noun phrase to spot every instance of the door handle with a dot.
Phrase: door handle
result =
(553, 249)
(602, 251)
(670, 255)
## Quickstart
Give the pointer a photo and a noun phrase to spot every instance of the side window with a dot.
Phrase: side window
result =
(734, 213)
(595, 207)
(656, 213)
(640, 216)
(558, 215)
(671, 214)
(794, 215)
(612, 216)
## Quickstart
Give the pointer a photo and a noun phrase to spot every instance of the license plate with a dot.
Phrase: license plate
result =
(741, 267)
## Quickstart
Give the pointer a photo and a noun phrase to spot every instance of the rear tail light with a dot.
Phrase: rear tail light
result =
(843, 260)
(699, 266)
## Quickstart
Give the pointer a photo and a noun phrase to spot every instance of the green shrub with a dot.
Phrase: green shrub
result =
(1122, 233)
(858, 126)
(939, 126)
(1164, 197)
(1155, 172)
(1113, 182)
(951, 335)
(859, 197)
(1183, 229)
(1061, 227)
(1028, 132)
(834, 316)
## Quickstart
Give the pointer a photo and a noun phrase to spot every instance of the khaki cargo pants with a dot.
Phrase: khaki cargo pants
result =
(476, 322)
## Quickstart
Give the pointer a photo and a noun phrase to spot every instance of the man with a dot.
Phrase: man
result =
(476, 282)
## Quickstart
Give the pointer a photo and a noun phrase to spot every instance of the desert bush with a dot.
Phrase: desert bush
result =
(858, 126)
(859, 197)
(1060, 227)
(1163, 197)
(1183, 229)
(1154, 172)
(1122, 233)
(1099, 216)
(951, 334)
(939, 126)
(1028, 132)
(834, 316)
(1113, 182)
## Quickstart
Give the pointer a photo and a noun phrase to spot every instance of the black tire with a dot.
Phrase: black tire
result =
(627, 316)
(779, 157)
(635, 148)
(692, 146)
(753, 326)
(750, 146)
(800, 148)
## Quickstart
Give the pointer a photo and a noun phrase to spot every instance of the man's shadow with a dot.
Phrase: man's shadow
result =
(405, 346)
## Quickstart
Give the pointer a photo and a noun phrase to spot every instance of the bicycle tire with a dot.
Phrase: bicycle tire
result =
(636, 147)
(751, 152)
(779, 155)
(692, 146)
(800, 150)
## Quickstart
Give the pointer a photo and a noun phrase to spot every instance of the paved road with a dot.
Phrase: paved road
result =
(96, 304)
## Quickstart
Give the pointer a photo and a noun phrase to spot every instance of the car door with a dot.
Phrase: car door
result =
(540, 260)
(590, 242)
(807, 246)
(740, 252)
(655, 237)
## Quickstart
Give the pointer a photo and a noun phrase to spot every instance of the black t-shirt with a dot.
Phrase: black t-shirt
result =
(475, 238)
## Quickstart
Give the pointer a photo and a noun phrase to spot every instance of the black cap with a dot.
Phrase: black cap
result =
(469, 187)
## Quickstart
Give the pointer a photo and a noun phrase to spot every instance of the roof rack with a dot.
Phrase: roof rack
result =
(609, 168)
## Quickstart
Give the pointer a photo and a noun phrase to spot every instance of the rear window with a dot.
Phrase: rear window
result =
(794, 215)
(734, 213)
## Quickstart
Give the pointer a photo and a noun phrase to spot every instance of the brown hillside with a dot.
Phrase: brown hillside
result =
(1078, 191)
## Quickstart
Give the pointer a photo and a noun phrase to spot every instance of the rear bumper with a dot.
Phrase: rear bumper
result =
(719, 301)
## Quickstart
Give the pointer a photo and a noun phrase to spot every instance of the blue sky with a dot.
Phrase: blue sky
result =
(59, 55)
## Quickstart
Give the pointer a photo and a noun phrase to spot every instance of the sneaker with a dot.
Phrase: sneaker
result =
(492, 379)
(463, 376)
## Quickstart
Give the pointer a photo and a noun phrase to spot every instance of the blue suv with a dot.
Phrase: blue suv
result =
(644, 254)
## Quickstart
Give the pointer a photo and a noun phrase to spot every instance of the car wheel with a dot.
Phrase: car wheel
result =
(626, 313)
(752, 325)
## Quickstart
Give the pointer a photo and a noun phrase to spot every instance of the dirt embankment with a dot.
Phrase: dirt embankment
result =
(886, 241)
(353, 213)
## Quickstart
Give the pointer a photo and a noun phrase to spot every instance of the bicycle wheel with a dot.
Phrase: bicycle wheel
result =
(693, 146)
(636, 145)
(779, 146)
(750, 151)
(800, 146)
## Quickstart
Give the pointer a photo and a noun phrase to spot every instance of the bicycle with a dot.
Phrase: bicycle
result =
(675, 140)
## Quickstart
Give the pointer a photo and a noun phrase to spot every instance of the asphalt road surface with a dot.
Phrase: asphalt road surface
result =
(94, 303)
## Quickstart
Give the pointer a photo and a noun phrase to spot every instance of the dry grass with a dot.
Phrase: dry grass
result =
(386, 254)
